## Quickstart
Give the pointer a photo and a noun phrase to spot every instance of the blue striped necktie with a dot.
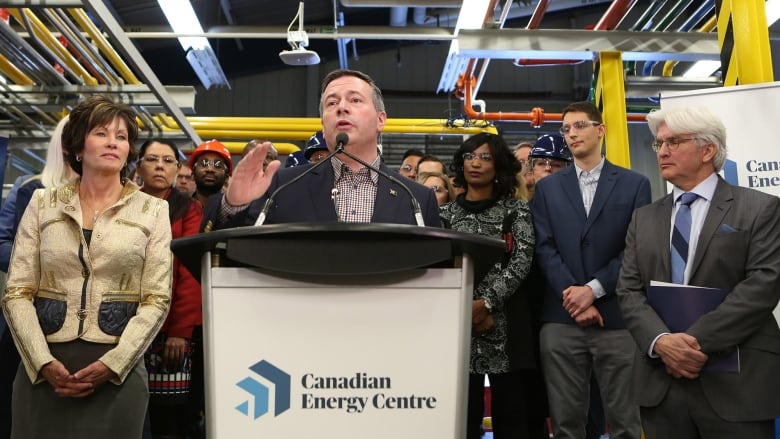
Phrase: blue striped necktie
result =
(681, 236)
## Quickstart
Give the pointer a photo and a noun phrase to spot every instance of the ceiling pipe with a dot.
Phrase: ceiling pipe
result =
(49, 41)
(398, 16)
(708, 26)
(665, 24)
(642, 24)
(90, 49)
(698, 15)
(537, 117)
(419, 16)
(105, 48)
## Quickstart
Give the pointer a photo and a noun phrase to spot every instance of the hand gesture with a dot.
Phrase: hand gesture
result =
(249, 181)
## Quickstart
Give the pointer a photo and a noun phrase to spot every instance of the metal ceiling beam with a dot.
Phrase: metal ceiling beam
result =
(584, 44)
(134, 58)
(133, 94)
(314, 33)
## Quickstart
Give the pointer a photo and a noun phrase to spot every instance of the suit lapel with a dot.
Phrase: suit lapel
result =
(606, 184)
(387, 200)
(571, 188)
(719, 207)
(660, 234)
(319, 193)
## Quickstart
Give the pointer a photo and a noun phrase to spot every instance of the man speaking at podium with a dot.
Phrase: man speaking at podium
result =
(350, 185)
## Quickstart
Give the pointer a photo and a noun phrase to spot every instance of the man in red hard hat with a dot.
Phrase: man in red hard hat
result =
(211, 166)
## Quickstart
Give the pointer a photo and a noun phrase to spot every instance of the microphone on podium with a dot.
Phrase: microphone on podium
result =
(270, 201)
(342, 139)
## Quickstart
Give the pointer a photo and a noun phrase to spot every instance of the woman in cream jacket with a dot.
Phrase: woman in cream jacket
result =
(88, 287)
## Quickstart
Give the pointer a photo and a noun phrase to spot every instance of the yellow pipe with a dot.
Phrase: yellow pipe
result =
(303, 120)
(708, 26)
(14, 74)
(48, 40)
(302, 135)
(103, 45)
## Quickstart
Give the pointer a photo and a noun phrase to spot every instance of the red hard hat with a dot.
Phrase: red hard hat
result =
(216, 147)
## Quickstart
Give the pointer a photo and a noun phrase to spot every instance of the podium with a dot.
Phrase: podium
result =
(337, 330)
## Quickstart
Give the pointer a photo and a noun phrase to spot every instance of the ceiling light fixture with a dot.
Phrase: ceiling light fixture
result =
(199, 53)
(298, 40)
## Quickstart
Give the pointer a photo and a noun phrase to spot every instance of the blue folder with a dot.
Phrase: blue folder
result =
(680, 306)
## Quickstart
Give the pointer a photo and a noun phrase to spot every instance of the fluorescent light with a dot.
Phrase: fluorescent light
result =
(199, 53)
(707, 68)
(183, 20)
(472, 15)
(702, 68)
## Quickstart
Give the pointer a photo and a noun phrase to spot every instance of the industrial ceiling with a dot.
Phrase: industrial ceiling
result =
(126, 47)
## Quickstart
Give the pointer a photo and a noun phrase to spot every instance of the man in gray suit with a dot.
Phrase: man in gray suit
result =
(733, 245)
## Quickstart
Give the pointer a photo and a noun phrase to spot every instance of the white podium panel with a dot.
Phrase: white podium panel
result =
(380, 357)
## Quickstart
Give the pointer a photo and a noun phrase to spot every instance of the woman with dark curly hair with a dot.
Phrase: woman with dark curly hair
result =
(88, 287)
(501, 343)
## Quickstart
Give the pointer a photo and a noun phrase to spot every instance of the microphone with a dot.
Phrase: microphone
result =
(342, 139)
(270, 201)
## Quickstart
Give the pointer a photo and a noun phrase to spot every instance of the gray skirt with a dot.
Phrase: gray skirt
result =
(112, 411)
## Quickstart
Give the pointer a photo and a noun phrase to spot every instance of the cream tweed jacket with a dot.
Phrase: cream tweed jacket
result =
(117, 290)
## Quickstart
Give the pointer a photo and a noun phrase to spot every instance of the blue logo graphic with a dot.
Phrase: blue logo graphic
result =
(260, 392)
(730, 172)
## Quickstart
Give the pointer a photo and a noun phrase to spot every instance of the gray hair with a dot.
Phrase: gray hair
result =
(699, 121)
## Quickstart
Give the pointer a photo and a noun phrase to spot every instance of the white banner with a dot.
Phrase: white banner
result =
(303, 359)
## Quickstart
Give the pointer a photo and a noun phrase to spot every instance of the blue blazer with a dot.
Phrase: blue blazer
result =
(309, 200)
(572, 248)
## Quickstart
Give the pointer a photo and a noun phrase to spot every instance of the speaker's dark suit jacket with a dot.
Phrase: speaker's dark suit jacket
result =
(573, 248)
(309, 200)
(738, 250)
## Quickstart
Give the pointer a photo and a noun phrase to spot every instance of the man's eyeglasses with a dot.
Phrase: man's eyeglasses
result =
(547, 163)
(217, 164)
(166, 160)
(579, 125)
(672, 143)
(407, 167)
(483, 157)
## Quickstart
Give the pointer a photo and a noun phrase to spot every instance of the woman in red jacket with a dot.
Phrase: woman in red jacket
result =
(169, 359)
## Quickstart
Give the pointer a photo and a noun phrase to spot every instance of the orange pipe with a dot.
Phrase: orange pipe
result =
(536, 116)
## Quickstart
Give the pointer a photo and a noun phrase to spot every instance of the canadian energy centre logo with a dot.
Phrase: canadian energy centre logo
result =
(260, 393)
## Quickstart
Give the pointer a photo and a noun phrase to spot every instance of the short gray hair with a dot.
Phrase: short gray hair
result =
(698, 121)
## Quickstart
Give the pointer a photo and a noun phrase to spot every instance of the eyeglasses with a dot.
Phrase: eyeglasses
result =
(437, 189)
(407, 168)
(166, 160)
(547, 163)
(579, 125)
(483, 157)
(217, 164)
(672, 143)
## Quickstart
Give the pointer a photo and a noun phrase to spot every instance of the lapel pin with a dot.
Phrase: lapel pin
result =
(393, 192)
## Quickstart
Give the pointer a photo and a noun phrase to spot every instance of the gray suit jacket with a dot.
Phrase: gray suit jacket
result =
(738, 250)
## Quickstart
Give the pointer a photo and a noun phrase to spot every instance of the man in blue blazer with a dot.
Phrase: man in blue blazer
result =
(581, 215)
(733, 246)
(341, 190)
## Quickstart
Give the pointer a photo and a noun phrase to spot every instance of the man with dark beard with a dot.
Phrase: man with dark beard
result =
(211, 166)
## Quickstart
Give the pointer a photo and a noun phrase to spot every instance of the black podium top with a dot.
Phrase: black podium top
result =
(339, 248)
